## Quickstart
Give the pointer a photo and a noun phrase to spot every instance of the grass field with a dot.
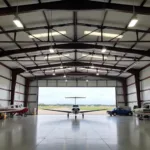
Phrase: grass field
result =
(81, 107)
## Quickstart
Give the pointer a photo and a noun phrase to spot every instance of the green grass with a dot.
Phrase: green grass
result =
(81, 107)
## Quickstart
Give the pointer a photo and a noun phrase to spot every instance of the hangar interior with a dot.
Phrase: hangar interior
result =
(68, 43)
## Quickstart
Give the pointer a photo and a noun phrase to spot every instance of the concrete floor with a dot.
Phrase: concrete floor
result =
(49, 132)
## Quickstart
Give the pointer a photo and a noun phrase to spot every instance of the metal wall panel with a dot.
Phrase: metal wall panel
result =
(52, 83)
(119, 90)
(145, 73)
(82, 83)
(42, 83)
(102, 83)
(4, 95)
(130, 80)
(92, 83)
(132, 98)
(5, 84)
(145, 95)
(61, 83)
(111, 83)
(145, 84)
(5, 72)
(33, 90)
(71, 83)
(120, 98)
(131, 89)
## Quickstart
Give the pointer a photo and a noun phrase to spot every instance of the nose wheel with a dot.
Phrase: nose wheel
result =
(82, 115)
(67, 115)
(75, 117)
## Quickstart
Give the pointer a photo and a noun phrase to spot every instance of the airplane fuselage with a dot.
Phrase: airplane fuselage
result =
(75, 109)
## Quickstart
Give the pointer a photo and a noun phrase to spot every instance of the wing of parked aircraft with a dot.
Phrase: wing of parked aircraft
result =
(86, 111)
(65, 111)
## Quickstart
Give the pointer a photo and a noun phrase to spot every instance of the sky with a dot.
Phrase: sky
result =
(56, 95)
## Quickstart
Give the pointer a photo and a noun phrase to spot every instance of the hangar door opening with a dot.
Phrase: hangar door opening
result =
(95, 98)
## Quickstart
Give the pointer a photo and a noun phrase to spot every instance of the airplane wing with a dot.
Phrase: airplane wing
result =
(64, 111)
(9, 111)
(75, 97)
(86, 111)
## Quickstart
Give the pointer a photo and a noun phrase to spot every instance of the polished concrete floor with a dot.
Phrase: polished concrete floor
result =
(95, 132)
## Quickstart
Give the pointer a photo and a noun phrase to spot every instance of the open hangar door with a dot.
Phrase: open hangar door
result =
(94, 98)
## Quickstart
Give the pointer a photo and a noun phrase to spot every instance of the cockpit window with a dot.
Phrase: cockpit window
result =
(75, 106)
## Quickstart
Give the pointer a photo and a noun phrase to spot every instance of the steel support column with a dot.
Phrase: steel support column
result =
(137, 85)
(27, 82)
(13, 85)
(124, 85)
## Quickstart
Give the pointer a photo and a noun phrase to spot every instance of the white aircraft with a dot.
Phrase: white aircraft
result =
(13, 109)
(75, 109)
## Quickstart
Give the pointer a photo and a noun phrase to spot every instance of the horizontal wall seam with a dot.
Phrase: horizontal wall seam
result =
(19, 93)
(131, 93)
(130, 84)
(145, 78)
(145, 90)
(1, 76)
(5, 89)
(4, 100)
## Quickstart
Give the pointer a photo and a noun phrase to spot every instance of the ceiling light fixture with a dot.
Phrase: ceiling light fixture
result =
(87, 80)
(17, 22)
(104, 49)
(61, 67)
(64, 76)
(51, 50)
(66, 80)
(109, 35)
(133, 22)
(55, 56)
(42, 35)
(96, 56)
(92, 66)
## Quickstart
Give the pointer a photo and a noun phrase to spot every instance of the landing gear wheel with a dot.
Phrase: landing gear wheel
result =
(67, 115)
(75, 117)
(130, 114)
(82, 115)
(114, 114)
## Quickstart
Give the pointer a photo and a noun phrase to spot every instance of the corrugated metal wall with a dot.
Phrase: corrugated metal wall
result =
(5, 87)
(33, 90)
(144, 87)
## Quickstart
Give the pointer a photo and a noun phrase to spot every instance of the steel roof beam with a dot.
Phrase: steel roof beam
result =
(75, 46)
(77, 64)
(80, 74)
(73, 5)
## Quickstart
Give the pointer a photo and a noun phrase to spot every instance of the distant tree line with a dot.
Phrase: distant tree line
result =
(71, 105)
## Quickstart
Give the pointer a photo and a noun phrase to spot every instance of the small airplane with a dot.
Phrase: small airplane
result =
(75, 109)
(14, 110)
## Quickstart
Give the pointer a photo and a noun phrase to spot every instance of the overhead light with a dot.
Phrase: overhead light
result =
(109, 35)
(87, 80)
(96, 56)
(66, 80)
(61, 67)
(51, 50)
(133, 22)
(92, 67)
(55, 56)
(104, 49)
(42, 35)
(97, 73)
(53, 74)
(64, 76)
(17, 22)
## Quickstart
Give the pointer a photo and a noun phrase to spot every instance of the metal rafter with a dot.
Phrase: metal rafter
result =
(73, 5)
(75, 64)
(75, 46)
